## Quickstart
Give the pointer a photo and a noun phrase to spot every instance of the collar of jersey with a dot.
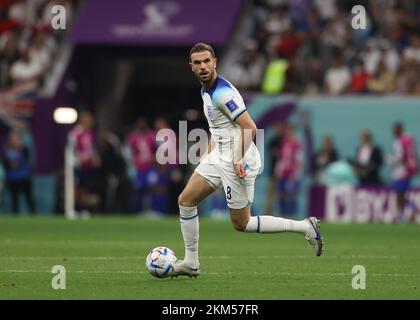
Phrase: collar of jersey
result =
(213, 88)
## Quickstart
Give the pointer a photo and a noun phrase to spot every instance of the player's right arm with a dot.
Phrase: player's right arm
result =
(211, 145)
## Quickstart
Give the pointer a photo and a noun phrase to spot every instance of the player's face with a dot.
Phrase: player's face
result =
(203, 65)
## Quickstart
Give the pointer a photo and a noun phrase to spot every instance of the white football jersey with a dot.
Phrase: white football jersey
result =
(222, 105)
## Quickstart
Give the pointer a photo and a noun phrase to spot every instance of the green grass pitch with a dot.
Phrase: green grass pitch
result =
(104, 258)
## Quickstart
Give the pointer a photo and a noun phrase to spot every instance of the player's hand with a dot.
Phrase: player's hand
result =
(239, 170)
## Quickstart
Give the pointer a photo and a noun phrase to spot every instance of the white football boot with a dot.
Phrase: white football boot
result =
(181, 269)
(314, 235)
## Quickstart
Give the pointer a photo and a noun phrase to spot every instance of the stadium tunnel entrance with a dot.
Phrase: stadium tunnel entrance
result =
(122, 84)
(118, 84)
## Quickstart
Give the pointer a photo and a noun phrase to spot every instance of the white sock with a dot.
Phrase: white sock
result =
(190, 233)
(270, 224)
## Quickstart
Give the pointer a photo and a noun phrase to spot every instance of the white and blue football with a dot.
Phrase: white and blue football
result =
(160, 262)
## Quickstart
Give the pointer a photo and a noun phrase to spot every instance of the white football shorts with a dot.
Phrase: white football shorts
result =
(218, 173)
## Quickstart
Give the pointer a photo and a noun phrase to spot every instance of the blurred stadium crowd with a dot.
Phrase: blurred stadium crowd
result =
(302, 47)
(28, 48)
(311, 48)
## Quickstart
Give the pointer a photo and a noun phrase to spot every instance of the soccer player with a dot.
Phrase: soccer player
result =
(404, 166)
(139, 150)
(288, 172)
(233, 166)
(88, 162)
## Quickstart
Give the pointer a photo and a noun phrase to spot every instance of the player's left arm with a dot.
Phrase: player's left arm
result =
(232, 104)
(248, 132)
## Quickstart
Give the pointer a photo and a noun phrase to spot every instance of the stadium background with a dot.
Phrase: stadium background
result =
(114, 68)
(125, 61)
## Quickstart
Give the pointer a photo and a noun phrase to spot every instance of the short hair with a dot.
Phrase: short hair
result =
(398, 125)
(367, 134)
(198, 47)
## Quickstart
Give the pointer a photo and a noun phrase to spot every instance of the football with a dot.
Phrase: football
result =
(160, 261)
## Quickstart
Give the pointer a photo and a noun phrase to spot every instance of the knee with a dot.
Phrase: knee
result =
(185, 201)
(181, 200)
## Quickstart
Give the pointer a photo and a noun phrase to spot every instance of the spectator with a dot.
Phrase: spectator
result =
(382, 81)
(369, 160)
(412, 53)
(42, 49)
(359, 78)
(17, 164)
(389, 56)
(337, 77)
(18, 11)
(247, 73)
(289, 43)
(279, 20)
(288, 171)
(404, 79)
(371, 56)
(8, 56)
(274, 78)
(336, 33)
(327, 9)
(25, 69)
(404, 166)
(325, 156)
